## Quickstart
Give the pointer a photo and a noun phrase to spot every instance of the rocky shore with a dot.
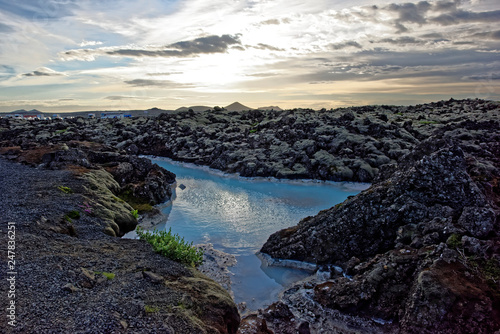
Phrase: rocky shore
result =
(418, 250)
(73, 274)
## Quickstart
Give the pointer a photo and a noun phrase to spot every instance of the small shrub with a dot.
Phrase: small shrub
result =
(172, 246)
(135, 213)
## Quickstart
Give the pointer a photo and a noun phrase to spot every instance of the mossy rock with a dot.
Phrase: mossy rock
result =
(102, 186)
(138, 203)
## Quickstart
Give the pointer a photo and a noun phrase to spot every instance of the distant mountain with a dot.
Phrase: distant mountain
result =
(23, 111)
(195, 108)
(236, 106)
(276, 108)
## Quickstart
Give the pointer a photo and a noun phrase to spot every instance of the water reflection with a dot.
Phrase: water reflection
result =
(237, 216)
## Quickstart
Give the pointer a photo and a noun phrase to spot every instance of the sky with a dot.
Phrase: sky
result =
(68, 55)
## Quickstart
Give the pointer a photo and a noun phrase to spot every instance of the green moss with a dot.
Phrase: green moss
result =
(141, 208)
(454, 240)
(428, 122)
(140, 204)
(150, 309)
(119, 200)
(73, 214)
(109, 276)
(58, 132)
(491, 270)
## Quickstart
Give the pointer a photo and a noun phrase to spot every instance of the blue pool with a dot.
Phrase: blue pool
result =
(237, 215)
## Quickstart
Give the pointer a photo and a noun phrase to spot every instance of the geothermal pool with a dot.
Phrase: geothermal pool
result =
(238, 214)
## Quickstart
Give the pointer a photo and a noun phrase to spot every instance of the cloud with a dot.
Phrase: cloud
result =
(270, 22)
(157, 83)
(409, 13)
(90, 43)
(5, 28)
(263, 75)
(39, 10)
(483, 77)
(123, 97)
(401, 40)
(262, 46)
(344, 45)
(162, 73)
(6, 72)
(42, 72)
(494, 35)
(202, 45)
(463, 16)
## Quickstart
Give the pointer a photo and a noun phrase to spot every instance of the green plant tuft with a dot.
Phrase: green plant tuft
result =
(109, 276)
(172, 246)
(454, 240)
(150, 309)
(74, 214)
(135, 213)
(66, 190)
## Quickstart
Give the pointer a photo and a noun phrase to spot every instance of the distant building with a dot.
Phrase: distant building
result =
(112, 115)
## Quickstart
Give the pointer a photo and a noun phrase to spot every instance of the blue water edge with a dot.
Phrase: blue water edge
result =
(238, 214)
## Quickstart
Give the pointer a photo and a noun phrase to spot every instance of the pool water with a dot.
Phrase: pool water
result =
(238, 214)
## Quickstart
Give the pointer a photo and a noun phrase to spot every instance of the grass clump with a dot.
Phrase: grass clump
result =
(109, 276)
(150, 309)
(172, 246)
(66, 190)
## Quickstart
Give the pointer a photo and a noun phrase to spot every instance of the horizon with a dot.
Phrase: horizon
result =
(124, 55)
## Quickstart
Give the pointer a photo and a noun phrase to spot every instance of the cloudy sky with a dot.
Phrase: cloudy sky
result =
(68, 55)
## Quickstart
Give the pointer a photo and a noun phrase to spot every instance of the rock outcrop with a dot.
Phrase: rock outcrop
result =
(420, 246)
(347, 144)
